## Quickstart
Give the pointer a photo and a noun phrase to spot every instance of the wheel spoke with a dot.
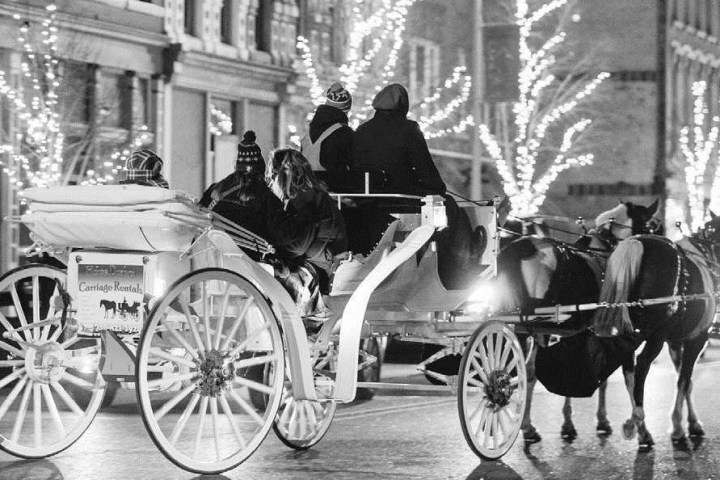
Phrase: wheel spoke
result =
(481, 405)
(256, 333)
(5, 406)
(170, 404)
(191, 324)
(22, 411)
(507, 348)
(37, 414)
(20, 312)
(82, 383)
(216, 429)
(170, 379)
(221, 321)
(178, 338)
(36, 303)
(11, 349)
(259, 360)
(201, 425)
(254, 385)
(180, 426)
(247, 408)
(479, 369)
(240, 320)
(206, 316)
(483, 420)
(231, 420)
(65, 396)
(11, 363)
(160, 353)
(52, 408)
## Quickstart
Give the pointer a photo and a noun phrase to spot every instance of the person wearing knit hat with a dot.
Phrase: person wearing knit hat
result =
(144, 167)
(329, 139)
(337, 96)
(249, 156)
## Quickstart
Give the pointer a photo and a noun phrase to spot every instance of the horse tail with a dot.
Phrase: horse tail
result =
(622, 270)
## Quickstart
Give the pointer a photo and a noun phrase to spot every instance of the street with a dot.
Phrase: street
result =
(420, 437)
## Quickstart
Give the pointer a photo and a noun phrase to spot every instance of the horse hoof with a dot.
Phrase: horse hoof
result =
(679, 440)
(531, 436)
(568, 432)
(629, 430)
(604, 428)
(696, 430)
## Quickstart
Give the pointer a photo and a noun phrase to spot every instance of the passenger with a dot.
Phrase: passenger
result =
(293, 181)
(328, 143)
(144, 167)
(244, 198)
(392, 147)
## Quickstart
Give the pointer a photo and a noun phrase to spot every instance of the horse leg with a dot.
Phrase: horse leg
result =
(650, 351)
(691, 351)
(629, 377)
(603, 425)
(677, 433)
(567, 431)
(530, 433)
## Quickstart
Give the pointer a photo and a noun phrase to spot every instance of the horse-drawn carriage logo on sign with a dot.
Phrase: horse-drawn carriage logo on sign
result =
(110, 297)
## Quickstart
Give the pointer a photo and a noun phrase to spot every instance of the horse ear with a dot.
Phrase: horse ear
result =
(653, 208)
(712, 215)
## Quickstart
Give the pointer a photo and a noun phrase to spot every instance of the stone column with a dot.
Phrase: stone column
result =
(175, 20)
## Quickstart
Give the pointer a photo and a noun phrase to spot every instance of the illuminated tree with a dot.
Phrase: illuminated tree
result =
(548, 129)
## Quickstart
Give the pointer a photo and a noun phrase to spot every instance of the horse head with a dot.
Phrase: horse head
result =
(711, 230)
(628, 219)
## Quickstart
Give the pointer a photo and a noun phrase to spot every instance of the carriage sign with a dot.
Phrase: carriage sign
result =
(109, 296)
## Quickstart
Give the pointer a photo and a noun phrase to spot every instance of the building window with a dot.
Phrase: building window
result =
(263, 21)
(189, 21)
(322, 23)
(76, 91)
(424, 67)
(226, 22)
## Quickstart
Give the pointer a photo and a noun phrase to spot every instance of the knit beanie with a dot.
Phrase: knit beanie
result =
(336, 96)
(249, 156)
(143, 168)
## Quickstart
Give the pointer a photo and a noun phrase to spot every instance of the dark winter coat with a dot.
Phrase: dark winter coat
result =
(393, 149)
(255, 207)
(328, 236)
(335, 150)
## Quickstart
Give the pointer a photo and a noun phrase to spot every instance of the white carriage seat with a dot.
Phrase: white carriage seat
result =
(117, 217)
(348, 274)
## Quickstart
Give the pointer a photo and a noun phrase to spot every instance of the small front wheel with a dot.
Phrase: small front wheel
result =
(195, 369)
(492, 390)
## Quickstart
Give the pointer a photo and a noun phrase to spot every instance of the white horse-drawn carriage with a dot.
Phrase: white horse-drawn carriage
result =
(214, 347)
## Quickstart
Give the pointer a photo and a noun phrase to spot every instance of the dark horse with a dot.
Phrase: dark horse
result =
(108, 305)
(539, 272)
(649, 267)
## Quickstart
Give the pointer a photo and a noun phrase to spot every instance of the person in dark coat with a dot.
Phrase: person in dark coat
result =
(306, 199)
(244, 198)
(328, 143)
(144, 167)
(393, 149)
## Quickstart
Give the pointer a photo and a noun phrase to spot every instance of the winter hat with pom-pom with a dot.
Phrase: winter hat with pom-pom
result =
(337, 96)
(249, 157)
(144, 167)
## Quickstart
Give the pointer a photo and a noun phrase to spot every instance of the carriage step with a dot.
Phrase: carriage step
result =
(407, 389)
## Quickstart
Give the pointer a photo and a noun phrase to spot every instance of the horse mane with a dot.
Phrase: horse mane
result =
(523, 272)
(622, 270)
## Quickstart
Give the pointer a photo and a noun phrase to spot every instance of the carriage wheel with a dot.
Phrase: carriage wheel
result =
(50, 385)
(193, 371)
(300, 424)
(491, 391)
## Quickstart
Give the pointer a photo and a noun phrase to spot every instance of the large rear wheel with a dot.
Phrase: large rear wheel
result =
(50, 383)
(492, 390)
(194, 380)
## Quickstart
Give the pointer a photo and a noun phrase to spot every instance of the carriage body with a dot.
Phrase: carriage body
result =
(145, 267)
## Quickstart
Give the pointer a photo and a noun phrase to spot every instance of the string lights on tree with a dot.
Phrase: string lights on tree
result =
(528, 174)
(374, 43)
(33, 156)
(696, 149)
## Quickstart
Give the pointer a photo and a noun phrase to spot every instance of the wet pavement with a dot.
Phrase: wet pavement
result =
(421, 438)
